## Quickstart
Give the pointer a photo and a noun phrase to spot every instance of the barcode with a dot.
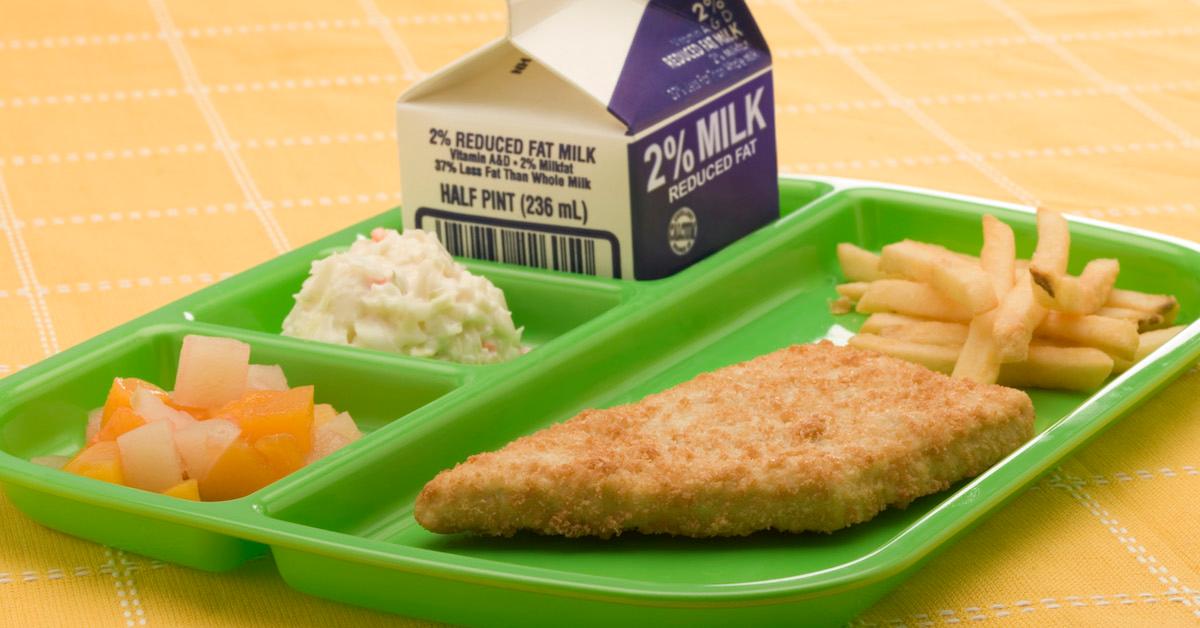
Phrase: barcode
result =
(573, 254)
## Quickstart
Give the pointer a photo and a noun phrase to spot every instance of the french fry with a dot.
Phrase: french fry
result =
(1113, 336)
(1078, 295)
(928, 332)
(1053, 244)
(1157, 303)
(1017, 317)
(964, 282)
(841, 305)
(1149, 343)
(883, 320)
(999, 254)
(979, 360)
(1146, 321)
(1067, 368)
(858, 264)
(912, 298)
(853, 290)
(934, 357)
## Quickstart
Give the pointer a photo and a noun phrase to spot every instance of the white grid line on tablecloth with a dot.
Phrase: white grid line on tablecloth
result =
(1073, 487)
(146, 152)
(129, 604)
(362, 80)
(228, 30)
(394, 43)
(216, 126)
(1119, 478)
(966, 98)
(1000, 611)
(999, 41)
(24, 265)
(1011, 154)
(913, 112)
(124, 283)
(1091, 74)
(229, 207)
(242, 87)
(196, 32)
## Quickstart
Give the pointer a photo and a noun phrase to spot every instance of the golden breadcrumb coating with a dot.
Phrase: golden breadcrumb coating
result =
(808, 438)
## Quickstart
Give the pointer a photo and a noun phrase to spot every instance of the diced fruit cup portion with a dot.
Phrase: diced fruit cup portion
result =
(228, 429)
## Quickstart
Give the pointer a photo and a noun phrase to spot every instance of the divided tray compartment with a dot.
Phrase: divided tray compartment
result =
(342, 528)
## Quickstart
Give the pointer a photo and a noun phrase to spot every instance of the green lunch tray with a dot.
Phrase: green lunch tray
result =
(343, 529)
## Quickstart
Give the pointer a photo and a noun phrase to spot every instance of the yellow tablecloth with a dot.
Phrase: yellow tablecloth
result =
(150, 147)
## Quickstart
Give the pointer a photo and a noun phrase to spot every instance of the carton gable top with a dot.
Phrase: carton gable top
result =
(643, 60)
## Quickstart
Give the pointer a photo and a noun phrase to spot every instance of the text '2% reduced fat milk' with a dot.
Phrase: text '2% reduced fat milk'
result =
(619, 138)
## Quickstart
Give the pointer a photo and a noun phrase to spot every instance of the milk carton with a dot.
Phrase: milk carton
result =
(620, 138)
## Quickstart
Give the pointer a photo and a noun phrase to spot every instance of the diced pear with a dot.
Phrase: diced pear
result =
(333, 435)
(266, 377)
(202, 443)
(322, 413)
(101, 461)
(149, 458)
(212, 371)
(187, 489)
(151, 407)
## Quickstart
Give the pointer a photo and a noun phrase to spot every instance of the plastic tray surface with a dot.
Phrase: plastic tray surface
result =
(342, 528)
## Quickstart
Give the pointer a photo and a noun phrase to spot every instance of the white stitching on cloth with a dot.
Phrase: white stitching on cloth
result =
(1042, 93)
(399, 50)
(154, 93)
(327, 200)
(24, 265)
(1000, 611)
(66, 41)
(217, 127)
(121, 569)
(961, 150)
(1002, 41)
(145, 152)
(1072, 486)
(1092, 74)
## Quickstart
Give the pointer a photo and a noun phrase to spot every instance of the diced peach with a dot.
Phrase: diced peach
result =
(101, 461)
(187, 489)
(282, 452)
(264, 412)
(212, 371)
(322, 413)
(200, 414)
(149, 458)
(122, 421)
(239, 471)
(266, 377)
(333, 435)
(121, 392)
(202, 443)
(93, 425)
(153, 408)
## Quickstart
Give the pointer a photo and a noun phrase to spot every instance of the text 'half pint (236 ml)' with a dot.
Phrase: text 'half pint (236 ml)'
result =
(623, 139)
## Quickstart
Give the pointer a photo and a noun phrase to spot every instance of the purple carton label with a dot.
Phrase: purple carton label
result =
(704, 180)
(683, 52)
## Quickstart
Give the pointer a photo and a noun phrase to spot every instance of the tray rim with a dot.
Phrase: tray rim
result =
(877, 565)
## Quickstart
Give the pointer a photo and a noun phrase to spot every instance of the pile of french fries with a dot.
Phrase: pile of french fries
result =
(999, 319)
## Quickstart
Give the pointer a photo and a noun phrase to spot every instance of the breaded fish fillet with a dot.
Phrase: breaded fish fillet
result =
(808, 438)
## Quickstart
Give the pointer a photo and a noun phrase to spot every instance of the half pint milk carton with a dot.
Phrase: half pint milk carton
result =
(621, 138)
